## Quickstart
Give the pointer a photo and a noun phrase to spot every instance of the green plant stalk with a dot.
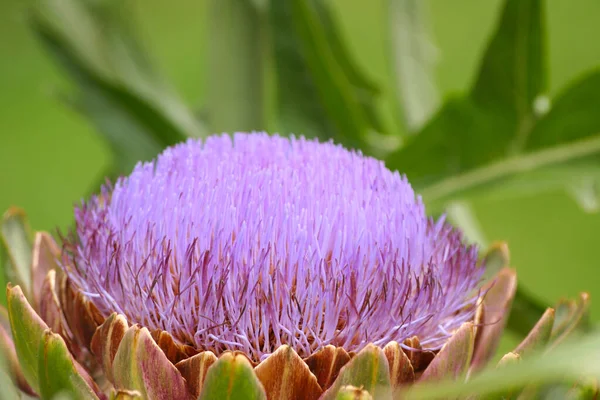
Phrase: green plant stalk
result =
(235, 99)
(455, 186)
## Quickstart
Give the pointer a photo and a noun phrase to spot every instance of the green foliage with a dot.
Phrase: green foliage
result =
(117, 88)
(505, 136)
(235, 97)
(320, 91)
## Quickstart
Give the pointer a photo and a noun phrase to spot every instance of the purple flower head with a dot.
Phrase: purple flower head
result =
(257, 241)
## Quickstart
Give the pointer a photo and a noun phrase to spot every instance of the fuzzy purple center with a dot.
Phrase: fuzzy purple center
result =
(257, 241)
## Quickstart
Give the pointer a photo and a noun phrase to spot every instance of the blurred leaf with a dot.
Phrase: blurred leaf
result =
(235, 88)
(16, 246)
(513, 71)
(460, 213)
(493, 119)
(568, 363)
(320, 90)
(117, 88)
(562, 148)
(9, 391)
(498, 139)
(58, 374)
(413, 60)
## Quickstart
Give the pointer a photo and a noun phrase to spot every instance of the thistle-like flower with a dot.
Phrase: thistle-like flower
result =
(288, 267)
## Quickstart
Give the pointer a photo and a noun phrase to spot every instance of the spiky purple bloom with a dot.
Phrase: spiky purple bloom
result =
(257, 241)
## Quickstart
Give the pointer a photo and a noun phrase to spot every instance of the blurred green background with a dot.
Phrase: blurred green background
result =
(50, 157)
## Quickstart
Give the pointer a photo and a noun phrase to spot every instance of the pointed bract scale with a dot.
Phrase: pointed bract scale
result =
(353, 393)
(232, 378)
(508, 359)
(194, 369)
(141, 365)
(326, 364)
(539, 336)
(82, 316)
(15, 238)
(106, 341)
(58, 373)
(563, 313)
(285, 375)
(49, 307)
(27, 332)
(419, 358)
(45, 255)
(453, 360)
(495, 259)
(368, 370)
(9, 355)
(570, 319)
(174, 351)
(495, 307)
(401, 370)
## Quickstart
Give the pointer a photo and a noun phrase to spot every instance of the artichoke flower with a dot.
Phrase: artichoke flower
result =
(256, 267)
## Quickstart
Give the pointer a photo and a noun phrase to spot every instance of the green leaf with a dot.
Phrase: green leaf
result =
(513, 71)
(27, 332)
(568, 363)
(16, 245)
(57, 372)
(413, 60)
(368, 370)
(232, 378)
(320, 91)
(495, 140)
(117, 88)
(496, 117)
(235, 101)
